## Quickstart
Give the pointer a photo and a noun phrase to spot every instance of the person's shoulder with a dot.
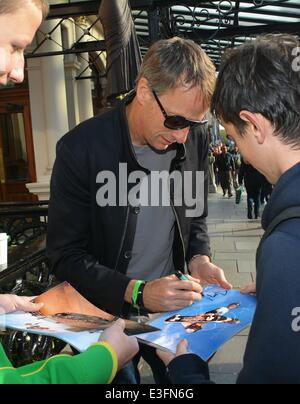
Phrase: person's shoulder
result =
(92, 126)
(88, 134)
(197, 145)
(287, 231)
(199, 134)
(282, 248)
(278, 275)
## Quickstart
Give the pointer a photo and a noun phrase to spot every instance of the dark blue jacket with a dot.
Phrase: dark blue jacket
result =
(273, 350)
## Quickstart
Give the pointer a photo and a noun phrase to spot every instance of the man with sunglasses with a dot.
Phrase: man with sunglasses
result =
(123, 257)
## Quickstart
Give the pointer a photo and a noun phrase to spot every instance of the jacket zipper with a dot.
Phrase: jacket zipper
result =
(175, 213)
(123, 237)
(180, 233)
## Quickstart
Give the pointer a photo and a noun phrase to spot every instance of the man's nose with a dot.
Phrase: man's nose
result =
(5, 65)
(180, 136)
(16, 74)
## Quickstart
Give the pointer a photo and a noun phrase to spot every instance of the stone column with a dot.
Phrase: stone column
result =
(71, 70)
(48, 106)
(84, 87)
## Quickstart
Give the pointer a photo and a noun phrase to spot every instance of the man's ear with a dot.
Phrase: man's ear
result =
(257, 124)
(143, 92)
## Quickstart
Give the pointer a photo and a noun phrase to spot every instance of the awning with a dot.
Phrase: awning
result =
(123, 51)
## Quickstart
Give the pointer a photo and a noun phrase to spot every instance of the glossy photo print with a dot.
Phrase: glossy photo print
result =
(207, 324)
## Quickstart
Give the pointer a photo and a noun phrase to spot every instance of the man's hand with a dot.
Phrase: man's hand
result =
(201, 268)
(125, 347)
(11, 303)
(249, 289)
(170, 293)
(166, 357)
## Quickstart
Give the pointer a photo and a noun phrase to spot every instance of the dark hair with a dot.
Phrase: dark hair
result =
(177, 61)
(262, 76)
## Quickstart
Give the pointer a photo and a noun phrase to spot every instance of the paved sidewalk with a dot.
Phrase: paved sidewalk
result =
(234, 240)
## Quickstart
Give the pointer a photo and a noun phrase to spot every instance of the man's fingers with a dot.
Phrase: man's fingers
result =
(191, 278)
(120, 323)
(182, 303)
(166, 357)
(221, 279)
(134, 346)
(249, 289)
(187, 297)
(188, 285)
(33, 307)
(182, 348)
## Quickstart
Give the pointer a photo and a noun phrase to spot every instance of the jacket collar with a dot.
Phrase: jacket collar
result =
(286, 194)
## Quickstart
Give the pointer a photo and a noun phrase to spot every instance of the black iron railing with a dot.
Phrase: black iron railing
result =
(27, 273)
(23, 221)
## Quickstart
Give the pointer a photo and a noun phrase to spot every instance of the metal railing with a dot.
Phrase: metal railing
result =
(27, 273)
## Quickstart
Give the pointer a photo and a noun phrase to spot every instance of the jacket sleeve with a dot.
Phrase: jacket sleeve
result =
(199, 243)
(69, 230)
(273, 346)
(188, 369)
(98, 365)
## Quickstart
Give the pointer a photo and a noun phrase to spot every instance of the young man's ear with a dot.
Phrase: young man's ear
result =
(143, 92)
(257, 124)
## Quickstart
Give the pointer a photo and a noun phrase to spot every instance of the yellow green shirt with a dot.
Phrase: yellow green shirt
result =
(97, 365)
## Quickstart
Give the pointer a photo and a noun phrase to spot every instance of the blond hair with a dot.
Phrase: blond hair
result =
(11, 6)
(176, 61)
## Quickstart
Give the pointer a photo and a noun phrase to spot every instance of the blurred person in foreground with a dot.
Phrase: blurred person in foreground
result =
(19, 21)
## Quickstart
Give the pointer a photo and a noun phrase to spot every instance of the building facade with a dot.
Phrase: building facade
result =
(60, 91)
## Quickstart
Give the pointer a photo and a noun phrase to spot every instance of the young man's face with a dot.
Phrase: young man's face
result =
(188, 103)
(17, 32)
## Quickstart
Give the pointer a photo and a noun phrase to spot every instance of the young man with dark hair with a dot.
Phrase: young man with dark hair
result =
(257, 99)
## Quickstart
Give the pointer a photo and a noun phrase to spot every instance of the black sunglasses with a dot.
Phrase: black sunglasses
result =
(176, 122)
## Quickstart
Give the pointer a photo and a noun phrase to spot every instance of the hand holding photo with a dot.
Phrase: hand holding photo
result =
(207, 324)
(67, 315)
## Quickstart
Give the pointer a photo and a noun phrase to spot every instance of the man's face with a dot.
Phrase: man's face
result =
(17, 32)
(188, 103)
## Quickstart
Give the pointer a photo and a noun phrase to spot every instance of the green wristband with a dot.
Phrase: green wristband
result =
(135, 292)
